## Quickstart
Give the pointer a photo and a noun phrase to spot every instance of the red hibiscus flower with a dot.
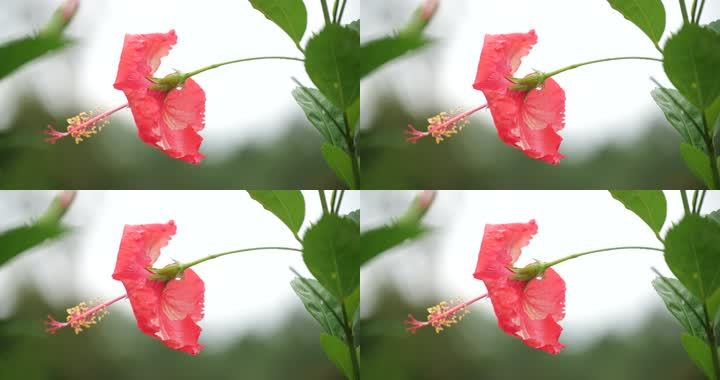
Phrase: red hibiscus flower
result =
(527, 112)
(527, 309)
(167, 118)
(165, 310)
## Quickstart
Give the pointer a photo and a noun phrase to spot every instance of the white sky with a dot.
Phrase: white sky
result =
(605, 102)
(245, 102)
(246, 291)
(606, 292)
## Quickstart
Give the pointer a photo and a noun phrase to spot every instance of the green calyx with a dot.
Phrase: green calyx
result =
(169, 82)
(528, 272)
(529, 82)
(167, 273)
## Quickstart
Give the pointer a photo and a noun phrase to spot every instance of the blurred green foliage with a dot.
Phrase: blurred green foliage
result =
(117, 159)
(477, 349)
(116, 350)
(477, 159)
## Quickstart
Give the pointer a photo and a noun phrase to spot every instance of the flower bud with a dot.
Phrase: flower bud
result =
(60, 18)
(420, 18)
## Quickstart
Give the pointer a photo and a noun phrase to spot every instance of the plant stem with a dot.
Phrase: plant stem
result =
(210, 67)
(335, 11)
(339, 203)
(323, 201)
(711, 152)
(570, 257)
(692, 11)
(347, 326)
(694, 201)
(710, 331)
(215, 256)
(326, 13)
(683, 9)
(350, 140)
(552, 73)
(333, 198)
(702, 200)
(699, 13)
(684, 197)
(342, 11)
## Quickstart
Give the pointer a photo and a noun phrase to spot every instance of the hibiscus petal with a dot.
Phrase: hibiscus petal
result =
(180, 307)
(184, 297)
(140, 58)
(500, 57)
(140, 247)
(545, 296)
(501, 247)
(170, 120)
(527, 310)
(167, 311)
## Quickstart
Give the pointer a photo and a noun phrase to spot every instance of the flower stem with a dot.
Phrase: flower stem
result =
(323, 201)
(210, 67)
(326, 13)
(215, 256)
(710, 332)
(552, 73)
(683, 9)
(347, 327)
(570, 257)
(686, 204)
(711, 152)
(350, 140)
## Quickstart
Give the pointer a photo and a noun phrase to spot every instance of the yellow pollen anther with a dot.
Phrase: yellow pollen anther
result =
(444, 315)
(82, 317)
(85, 125)
(445, 124)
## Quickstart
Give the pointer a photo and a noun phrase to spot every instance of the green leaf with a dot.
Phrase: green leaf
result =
(715, 215)
(287, 205)
(353, 114)
(20, 239)
(332, 58)
(691, 59)
(681, 121)
(21, 51)
(684, 306)
(692, 251)
(380, 51)
(322, 114)
(339, 354)
(352, 303)
(648, 15)
(713, 304)
(649, 205)
(289, 15)
(711, 114)
(378, 240)
(714, 26)
(331, 253)
(355, 25)
(355, 215)
(320, 308)
(699, 352)
(698, 162)
(340, 162)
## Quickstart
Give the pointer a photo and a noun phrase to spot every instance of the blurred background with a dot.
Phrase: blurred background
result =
(615, 327)
(255, 134)
(614, 134)
(254, 327)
